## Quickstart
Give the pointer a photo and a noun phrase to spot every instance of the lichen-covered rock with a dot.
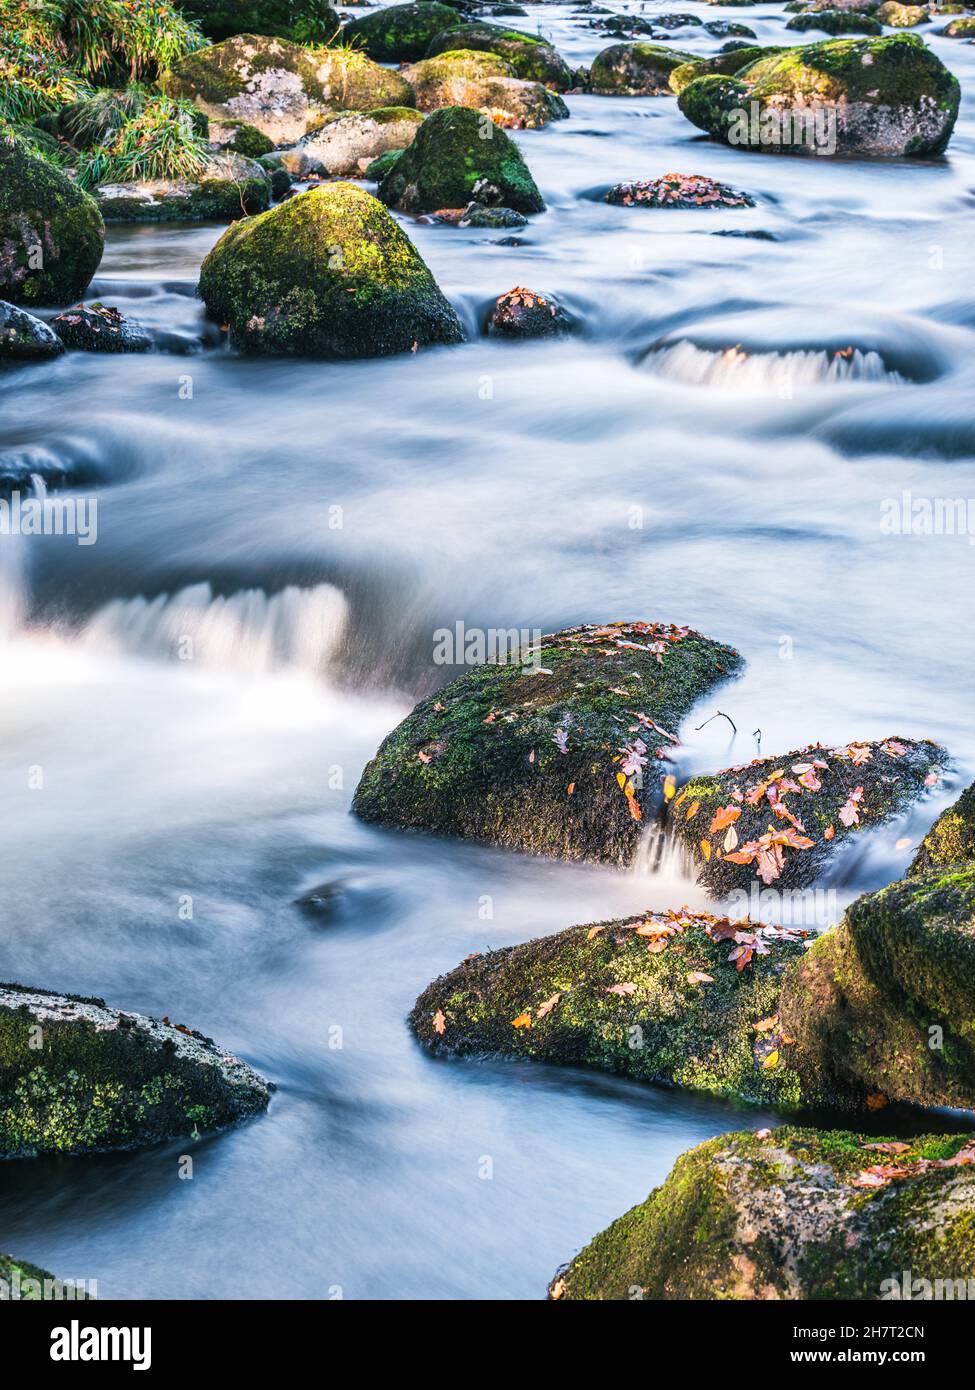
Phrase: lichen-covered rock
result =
(660, 998)
(960, 28)
(401, 33)
(282, 89)
(835, 22)
(350, 143)
(99, 328)
(79, 1077)
(635, 69)
(521, 313)
(303, 21)
(678, 191)
(239, 136)
(792, 1213)
(486, 83)
(24, 338)
(883, 1006)
(898, 16)
(723, 64)
(555, 758)
(951, 840)
(450, 164)
(329, 274)
(21, 1282)
(888, 96)
(781, 819)
(51, 232)
(530, 56)
(230, 186)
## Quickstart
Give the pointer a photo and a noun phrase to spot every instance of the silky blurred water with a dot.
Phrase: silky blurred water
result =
(310, 525)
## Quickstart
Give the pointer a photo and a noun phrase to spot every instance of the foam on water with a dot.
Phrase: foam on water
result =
(738, 370)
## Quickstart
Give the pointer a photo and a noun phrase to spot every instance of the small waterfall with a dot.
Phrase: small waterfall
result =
(735, 369)
(661, 855)
(249, 632)
(13, 567)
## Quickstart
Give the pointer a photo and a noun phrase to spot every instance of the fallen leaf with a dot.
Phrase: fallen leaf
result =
(698, 977)
(726, 816)
(593, 931)
(522, 1021)
(772, 1060)
(876, 1100)
(889, 1146)
(763, 1133)
(706, 850)
(621, 989)
(670, 786)
(439, 1022)
(547, 1006)
(692, 810)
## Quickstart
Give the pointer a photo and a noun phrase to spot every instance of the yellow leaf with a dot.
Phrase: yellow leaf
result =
(670, 786)
(621, 779)
(522, 1021)
(772, 1060)
(706, 849)
(698, 977)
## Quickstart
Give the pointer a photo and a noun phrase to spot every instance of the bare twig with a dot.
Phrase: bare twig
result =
(720, 715)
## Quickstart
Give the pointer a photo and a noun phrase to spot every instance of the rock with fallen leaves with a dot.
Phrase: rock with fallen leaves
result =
(522, 313)
(883, 1006)
(561, 751)
(781, 820)
(99, 328)
(77, 1077)
(791, 1214)
(678, 191)
(951, 840)
(676, 997)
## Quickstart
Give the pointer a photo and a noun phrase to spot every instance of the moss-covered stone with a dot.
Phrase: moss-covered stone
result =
(723, 64)
(350, 143)
(886, 96)
(282, 89)
(796, 1214)
(835, 22)
(884, 1005)
(380, 167)
(960, 28)
(51, 232)
(303, 21)
(239, 136)
(327, 273)
(485, 83)
(229, 187)
(656, 998)
(24, 338)
(783, 819)
(99, 328)
(635, 69)
(897, 16)
(450, 164)
(728, 29)
(530, 56)
(558, 758)
(78, 1077)
(401, 33)
(21, 1282)
(951, 840)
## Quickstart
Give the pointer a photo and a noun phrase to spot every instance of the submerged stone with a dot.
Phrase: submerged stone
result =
(477, 215)
(678, 191)
(792, 1213)
(79, 1077)
(98, 328)
(899, 16)
(530, 57)
(835, 22)
(24, 338)
(521, 313)
(51, 232)
(401, 33)
(229, 187)
(557, 757)
(635, 69)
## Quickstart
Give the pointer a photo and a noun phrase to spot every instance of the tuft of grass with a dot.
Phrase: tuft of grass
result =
(97, 119)
(107, 37)
(33, 78)
(162, 140)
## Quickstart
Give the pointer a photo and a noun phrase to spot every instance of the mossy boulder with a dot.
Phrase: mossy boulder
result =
(883, 1007)
(888, 96)
(21, 1282)
(24, 338)
(897, 16)
(229, 187)
(687, 191)
(530, 56)
(304, 21)
(348, 144)
(835, 22)
(560, 757)
(781, 820)
(660, 998)
(328, 273)
(523, 313)
(951, 840)
(457, 157)
(79, 1077)
(485, 83)
(239, 136)
(283, 90)
(380, 167)
(51, 232)
(723, 64)
(401, 33)
(960, 28)
(793, 1214)
(635, 69)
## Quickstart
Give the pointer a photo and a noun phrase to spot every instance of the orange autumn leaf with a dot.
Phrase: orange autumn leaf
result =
(706, 850)
(439, 1022)
(724, 817)
(570, 789)
(593, 931)
(876, 1100)
(692, 810)
(829, 832)
(522, 1021)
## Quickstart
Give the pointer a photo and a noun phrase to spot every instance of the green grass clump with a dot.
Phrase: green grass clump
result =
(161, 141)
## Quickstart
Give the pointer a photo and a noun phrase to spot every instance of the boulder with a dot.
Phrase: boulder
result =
(898, 16)
(722, 64)
(449, 165)
(282, 89)
(835, 22)
(521, 313)
(495, 219)
(401, 33)
(303, 21)
(951, 840)
(531, 58)
(883, 1006)
(792, 1214)
(21, 1282)
(98, 328)
(960, 28)
(485, 83)
(328, 273)
(51, 232)
(678, 191)
(557, 756)
(635, 70)
(348, 144)
(77, 1076)
(239, 136)
(889, 96)
(24, 338)
(231, 186)
(781, 820)
(380, 167)
(677, 997)
(728, 29)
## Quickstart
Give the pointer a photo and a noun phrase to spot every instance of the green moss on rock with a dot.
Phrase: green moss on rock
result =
(485, 83)
(78, 1077)
(788, 1214)
(242, 138)
(723, 64)
(898, 16)
(545, 760)
(951, 840)
(960, 28)
(51, 232)
(635, 69)
(228, 188)
(835, 22)
(328, 273)
(303, 21)
(349, 143)
(21, 1282)
(401, 33)
(530, 56)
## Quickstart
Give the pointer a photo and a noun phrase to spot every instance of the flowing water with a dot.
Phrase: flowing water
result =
(696, 453)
